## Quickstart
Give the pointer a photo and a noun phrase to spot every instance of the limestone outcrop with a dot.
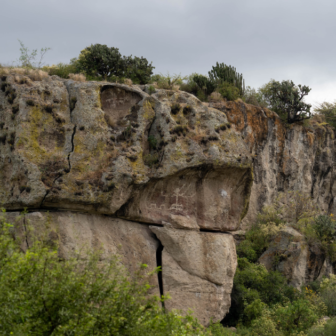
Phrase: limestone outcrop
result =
(157, 178)
(300, 263)
(284, 159)
(109, 160)
(198, 267)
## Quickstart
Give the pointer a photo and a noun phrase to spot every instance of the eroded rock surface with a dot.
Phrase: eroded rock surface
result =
(299, 262)
(284, 159)
(198, 270)
(108, 159)
(79, 233)
(84, 146)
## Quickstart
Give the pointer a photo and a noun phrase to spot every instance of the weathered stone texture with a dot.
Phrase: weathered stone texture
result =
(300, 263)
(198, 270)
(284, 159)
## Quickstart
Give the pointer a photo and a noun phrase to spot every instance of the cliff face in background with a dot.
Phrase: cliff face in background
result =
(284, 159)
(154, 183)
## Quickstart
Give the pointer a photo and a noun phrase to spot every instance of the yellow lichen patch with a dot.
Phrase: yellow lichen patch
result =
(29, 138)
(148, 110)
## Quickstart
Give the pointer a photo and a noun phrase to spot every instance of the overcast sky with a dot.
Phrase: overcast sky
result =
(263, 39)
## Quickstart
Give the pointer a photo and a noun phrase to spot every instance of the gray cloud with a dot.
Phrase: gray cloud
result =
(287, 39)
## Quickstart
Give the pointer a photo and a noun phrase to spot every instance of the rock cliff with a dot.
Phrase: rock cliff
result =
(160, 179)
(161, 175)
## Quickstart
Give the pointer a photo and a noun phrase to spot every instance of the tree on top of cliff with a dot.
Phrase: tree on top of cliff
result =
(101, 61)
(222, 73)
(287, 99)
(328, 110)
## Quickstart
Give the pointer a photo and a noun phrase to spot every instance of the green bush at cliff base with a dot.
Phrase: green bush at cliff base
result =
(42, 294)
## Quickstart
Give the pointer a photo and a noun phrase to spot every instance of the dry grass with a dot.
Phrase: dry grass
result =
(216, 96)
(77, 77)
(33, 74)
(128, 81)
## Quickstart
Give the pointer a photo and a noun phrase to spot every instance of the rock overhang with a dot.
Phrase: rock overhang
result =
(84, 146)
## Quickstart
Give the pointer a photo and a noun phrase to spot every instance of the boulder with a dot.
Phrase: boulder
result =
(135, 244)
(197, 271)
(299, 262)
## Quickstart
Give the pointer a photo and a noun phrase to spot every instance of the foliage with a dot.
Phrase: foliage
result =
(28, 58)
(168, 82)
(268, 224)
(327, 110)
(328, 294)
(62, 70)
(204, 84)
(138, 69)
(102, 62)
(152, 141)
(254, 97)
(287, 99)
(325, 228)
(222, 73)
(41, 294)
(253, 287)
(296, 316)
(228, 91)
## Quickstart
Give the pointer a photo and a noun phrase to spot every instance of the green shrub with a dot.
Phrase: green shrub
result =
(222, 73)
(296, 316)
(41, 294)
(327, 110)
(228, 91)
(62, 70)
(102, 62)
(152, 142)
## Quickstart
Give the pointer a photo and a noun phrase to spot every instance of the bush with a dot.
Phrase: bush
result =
(228, 91)
(41, 294)
(62, 70)
(328, 111)
(167, 82)
(102, 62)
(287, 99)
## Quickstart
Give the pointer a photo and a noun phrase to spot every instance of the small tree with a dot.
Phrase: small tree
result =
(106, 62)
(328, 110)
(138, 69)
(27, 58)
(101, 61)
(287, 99)
(226, 73)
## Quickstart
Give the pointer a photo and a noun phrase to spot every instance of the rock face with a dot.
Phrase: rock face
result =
(284, 159)
(108, 160)
(298, 262)
(198, 268)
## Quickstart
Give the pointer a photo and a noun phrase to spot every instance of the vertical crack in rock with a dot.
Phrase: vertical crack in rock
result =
(72, 146)
(25, 228)
(159, 264)
(66, 171)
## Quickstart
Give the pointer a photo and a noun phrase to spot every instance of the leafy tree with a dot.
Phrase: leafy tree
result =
(228, 91)
(101, 61)
(328, 110)
(138, 69)
(222, 73)
(106, 62)
(287, 99)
